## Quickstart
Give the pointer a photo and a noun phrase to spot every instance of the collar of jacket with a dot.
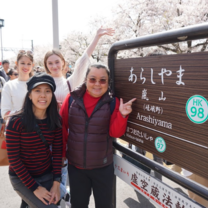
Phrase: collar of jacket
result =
(79, 93)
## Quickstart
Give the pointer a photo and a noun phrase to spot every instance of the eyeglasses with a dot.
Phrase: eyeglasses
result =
(25, 52)
(101, 81)
(15, 74)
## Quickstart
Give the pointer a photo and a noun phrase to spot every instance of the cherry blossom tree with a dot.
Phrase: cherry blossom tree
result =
(132, 19)
(136, 18)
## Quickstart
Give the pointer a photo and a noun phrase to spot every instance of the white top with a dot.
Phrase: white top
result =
(14, 92)
(13, 95)
(76, 79)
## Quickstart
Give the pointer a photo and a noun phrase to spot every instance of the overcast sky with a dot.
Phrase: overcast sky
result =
(27, 20)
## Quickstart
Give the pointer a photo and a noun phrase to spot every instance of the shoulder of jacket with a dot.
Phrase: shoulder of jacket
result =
(15, 122)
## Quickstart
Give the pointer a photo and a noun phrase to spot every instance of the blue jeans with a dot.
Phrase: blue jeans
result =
(27, 195)
(64, 175)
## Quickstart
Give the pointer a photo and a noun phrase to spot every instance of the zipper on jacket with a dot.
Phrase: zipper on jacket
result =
(87, 123)
(85, 140)
(106, 154)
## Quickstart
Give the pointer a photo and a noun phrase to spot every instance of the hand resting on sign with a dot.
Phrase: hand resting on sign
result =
(125, 108)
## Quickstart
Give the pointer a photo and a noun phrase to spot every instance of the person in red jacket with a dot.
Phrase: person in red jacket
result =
(88, 125)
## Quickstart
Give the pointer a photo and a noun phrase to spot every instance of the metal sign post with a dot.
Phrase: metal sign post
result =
(55, 24)
(169, 118)
(1, 25)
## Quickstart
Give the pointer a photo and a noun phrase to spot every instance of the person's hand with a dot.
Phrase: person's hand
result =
(55, 193)
(105, 31)
(125, 108)
(63, 161)
(42, 194)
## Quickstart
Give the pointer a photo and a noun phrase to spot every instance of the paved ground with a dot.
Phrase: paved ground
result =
(126, 196)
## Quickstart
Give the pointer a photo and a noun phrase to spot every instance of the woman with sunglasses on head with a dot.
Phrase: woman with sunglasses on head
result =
(13, 74)
(54, 63)
(92, 119)
(14, 91)
(30, 134)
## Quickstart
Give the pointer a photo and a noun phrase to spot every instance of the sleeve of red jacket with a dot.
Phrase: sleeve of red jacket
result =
(117, 123)
(64, 112)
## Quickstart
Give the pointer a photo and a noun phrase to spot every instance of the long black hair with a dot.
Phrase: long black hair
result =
(28, 118)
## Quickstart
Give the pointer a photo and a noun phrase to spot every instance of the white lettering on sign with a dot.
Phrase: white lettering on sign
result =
(180, 71)
(138, 133)
(152, 108)
(166, 72)
(132, 77)
(144, 95)
(152, 77)
(162, 98)
(151, 188)
(134, 138)
(142, 78)
(153, 120)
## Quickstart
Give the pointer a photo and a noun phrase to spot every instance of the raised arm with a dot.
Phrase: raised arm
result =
(83, 62)
(100, 32)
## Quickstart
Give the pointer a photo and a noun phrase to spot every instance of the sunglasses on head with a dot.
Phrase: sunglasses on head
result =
(25, 52)
(101, 81)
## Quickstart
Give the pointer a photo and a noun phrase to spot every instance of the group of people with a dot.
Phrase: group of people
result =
(56, 123)
(61, 124)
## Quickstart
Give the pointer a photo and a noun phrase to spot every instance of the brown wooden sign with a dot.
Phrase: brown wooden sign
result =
(170, 115)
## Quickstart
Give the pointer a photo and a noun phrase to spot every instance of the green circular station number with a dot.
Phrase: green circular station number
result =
(160, 144)
(197, 109)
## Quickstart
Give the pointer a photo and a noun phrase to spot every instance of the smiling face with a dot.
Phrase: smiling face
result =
(41, 97)
(97, 82)
(55, 65)
(24, 66)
